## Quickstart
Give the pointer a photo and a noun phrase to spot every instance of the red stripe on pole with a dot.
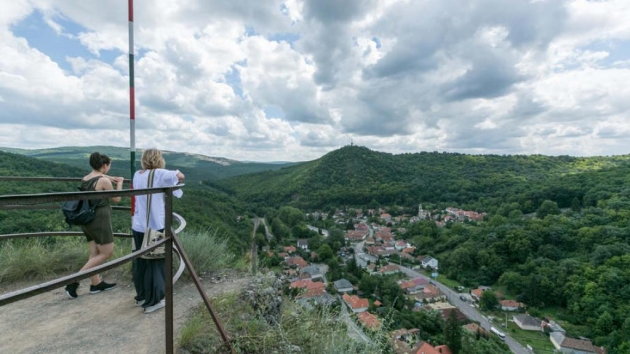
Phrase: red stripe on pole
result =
(130, 5)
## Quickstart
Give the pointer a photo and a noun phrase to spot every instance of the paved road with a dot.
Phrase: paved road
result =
(453, 298)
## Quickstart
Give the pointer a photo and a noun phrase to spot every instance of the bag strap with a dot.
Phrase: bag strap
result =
(150, 185)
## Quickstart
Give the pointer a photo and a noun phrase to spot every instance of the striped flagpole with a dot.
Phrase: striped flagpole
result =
(132, 104)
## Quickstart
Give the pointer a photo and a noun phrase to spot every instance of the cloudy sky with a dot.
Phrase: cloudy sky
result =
(290, 80)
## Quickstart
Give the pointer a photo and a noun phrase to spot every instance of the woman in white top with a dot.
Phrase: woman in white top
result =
(148, 274)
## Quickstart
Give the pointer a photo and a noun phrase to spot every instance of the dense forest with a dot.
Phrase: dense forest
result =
(556, 235)
(355, 175)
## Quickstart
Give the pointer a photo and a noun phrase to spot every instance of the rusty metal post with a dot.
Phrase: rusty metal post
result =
(195, 278)
(168, 270)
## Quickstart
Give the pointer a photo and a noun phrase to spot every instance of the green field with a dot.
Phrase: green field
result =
(537, 340)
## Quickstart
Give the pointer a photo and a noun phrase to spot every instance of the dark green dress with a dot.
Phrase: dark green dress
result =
(100, 229)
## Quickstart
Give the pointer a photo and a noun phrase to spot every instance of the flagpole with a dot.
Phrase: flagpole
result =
(132, 101)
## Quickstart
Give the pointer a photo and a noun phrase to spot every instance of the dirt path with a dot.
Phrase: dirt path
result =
(107, 322)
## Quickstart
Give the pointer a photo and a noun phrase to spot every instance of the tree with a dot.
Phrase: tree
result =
(576, 205)
(324, 252)
(488, 300)
(453, 333)
(547, 208)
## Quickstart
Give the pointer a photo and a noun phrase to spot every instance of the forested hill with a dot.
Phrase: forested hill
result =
(196, 167)
(355, 175)
(202, 207)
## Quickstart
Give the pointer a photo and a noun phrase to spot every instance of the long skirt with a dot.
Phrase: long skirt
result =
(148, 276)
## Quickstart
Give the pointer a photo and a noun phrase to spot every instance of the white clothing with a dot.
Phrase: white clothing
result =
(161, 178)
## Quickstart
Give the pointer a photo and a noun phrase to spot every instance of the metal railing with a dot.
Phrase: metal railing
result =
(171, 241)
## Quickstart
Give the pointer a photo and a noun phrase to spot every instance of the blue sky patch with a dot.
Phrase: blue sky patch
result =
(233, 78)
(618, 50)
(273, 111)
(57, 46)
(290, 38)
(377, 41)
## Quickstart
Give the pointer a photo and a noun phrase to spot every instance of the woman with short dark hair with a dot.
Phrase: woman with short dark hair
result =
(98, 232)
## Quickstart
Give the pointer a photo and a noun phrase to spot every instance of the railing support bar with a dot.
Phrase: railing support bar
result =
(168, 271)
(197, 282)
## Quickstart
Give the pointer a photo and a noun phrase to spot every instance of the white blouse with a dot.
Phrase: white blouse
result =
(161, 178)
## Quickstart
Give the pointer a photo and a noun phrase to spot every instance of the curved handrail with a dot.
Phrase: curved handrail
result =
(172, 244)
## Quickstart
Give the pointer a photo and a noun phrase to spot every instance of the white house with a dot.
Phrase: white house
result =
(429, 261)
(527, 322)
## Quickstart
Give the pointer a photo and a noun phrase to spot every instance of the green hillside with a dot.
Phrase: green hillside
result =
(196, 167)
(357, 176)
(201, 206)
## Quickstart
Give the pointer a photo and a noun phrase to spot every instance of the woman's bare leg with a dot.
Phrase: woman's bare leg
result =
(98, 255)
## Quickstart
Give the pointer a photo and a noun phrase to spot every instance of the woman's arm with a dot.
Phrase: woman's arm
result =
(105, 184)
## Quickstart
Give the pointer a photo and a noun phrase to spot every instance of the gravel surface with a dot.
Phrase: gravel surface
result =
(106, 322)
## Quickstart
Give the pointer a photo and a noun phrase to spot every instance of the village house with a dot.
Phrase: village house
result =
(389, 270)
(303, 243)
(380, 251)
(572, 345)
(355, 235)
(355, 303)
(413, 286)
(290, 249)
(446, 314)
(369, 321)
(371, 268)
(527, 322)
(400, 245)
(343, 286)
(316, 296)
(511, 305)
(430, 293)
(429, 262)
(475, 328)
(409, 336)
(313, 271)
(307, 284)
(296, 262)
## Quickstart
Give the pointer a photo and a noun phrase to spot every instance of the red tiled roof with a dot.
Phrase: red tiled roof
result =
(389, 268)
(444, 349)
(511, 303)
(474, 328)
(297, 261)
(426, 348)
(579, 344)
(369, 320)
(315, 292)
(355, 302)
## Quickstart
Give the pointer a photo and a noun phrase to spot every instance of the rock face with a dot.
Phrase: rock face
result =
(264, 295)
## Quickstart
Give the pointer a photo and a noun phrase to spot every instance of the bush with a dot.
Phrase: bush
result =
(207, 251)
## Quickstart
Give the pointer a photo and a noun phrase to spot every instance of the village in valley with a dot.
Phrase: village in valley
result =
(375, 246)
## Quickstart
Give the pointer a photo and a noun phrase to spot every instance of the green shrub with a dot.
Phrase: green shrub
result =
(319, 330)
(207, 251)
(49, 257)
